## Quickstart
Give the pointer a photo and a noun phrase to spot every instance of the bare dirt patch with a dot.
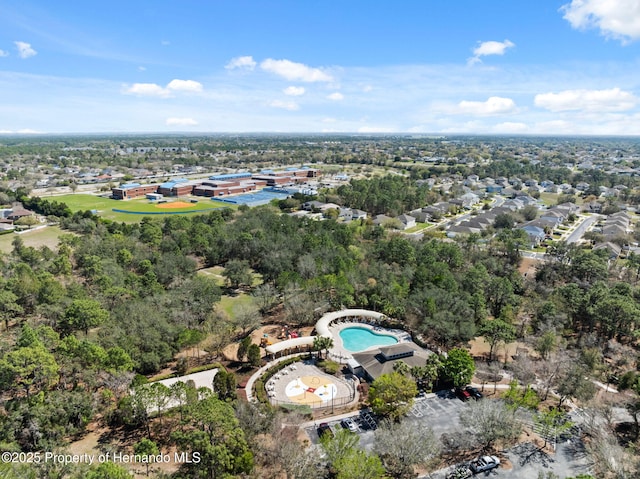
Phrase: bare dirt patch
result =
(480, 349)
(174, 204)
(528, 267)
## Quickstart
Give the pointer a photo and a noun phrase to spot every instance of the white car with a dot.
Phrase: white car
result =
(349, 424)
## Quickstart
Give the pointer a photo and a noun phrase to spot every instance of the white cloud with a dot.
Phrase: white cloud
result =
(618, 19)
(153, 89)
(336, 96)
(3, 53)
(142, 69)
(328, 120)
(495, 105)
(295, 71)
(189, 86)
(367, 88)
(25, 50)
(181, 122)
(285, 105)
(165, 42)
(490, 48)
(146, 89)
(614, 99)
(294, 90)
(246, 63)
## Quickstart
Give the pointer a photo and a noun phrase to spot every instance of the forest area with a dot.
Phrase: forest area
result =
(89, 321)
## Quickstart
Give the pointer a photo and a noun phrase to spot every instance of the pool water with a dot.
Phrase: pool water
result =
(358, 339)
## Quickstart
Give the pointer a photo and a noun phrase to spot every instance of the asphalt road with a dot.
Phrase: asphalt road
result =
(577, 234)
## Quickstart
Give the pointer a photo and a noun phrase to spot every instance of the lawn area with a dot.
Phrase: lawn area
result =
(105, 206)
(549, 199)
(418, 227)
(41, 237)
(228, 303)
(214, 272)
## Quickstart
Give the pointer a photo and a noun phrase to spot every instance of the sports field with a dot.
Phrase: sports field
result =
(135, 208)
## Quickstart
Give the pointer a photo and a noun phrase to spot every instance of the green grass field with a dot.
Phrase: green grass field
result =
(105, 206)
(229, 303)
(41, 237)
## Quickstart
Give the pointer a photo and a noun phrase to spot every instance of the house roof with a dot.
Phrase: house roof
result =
(613, 248)
(463, 229)
(533, 230)
(18, 211)
(375, 362)
(380, 219)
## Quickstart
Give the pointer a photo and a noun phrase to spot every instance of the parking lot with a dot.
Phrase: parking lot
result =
(526, 461)
(439, 411)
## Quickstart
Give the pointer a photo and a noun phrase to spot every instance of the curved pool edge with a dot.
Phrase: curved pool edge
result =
(346, 343)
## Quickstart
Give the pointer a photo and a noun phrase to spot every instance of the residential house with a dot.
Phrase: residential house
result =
(592, 207)
(312, 205)
(568, 208)
(509, 192)
(554, 217)
(462, 229)
(358, 214)
(469, 199)
(525, 199)
(350, 214)
(515, 181)
(535, 234)
(380, 220)
(609, 192)
(407, 221)
(613, 249)
(18, 211)
(613, 230)
(420, 215)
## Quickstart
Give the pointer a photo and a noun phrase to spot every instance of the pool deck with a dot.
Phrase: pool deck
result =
(340, 354)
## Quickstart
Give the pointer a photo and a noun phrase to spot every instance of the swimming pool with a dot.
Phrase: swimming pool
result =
(356, 339)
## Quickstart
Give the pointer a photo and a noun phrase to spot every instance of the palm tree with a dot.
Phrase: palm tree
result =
(322, 343)
(401, 367)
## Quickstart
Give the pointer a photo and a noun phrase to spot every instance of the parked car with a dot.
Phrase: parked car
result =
(462, 394)
(475, 394)
(484, 463)
(349, 425)
(323, 429)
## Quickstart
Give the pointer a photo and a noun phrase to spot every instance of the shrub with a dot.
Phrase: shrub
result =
(329, 367)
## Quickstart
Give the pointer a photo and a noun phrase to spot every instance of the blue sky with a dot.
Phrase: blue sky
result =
(421, 66)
